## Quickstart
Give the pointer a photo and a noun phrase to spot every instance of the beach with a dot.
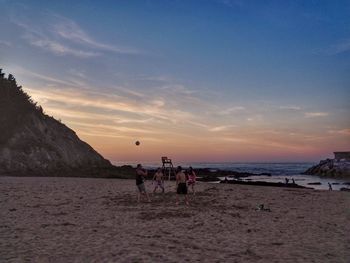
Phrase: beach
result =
(47, 219)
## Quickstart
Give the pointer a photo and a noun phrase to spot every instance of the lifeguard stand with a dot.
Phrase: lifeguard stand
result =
(167, 166)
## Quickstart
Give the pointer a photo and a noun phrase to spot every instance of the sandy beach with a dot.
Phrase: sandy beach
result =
(99, 220)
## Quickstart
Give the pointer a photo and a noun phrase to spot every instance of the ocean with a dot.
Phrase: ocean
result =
(279, 172)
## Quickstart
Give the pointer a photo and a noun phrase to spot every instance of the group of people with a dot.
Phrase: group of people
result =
(287, 180)
(184, 180)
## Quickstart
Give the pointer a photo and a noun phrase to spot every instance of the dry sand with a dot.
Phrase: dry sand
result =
(99, 220)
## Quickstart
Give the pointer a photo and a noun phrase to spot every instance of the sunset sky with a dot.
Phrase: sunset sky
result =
(205, 80)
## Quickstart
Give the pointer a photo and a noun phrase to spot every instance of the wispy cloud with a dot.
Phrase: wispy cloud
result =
(340, 47)
(114, 128)
(64, 36)
(221, 128)
(5, 43)
(162, 79)
(177, 88)
(58, 48)
(232, 3)
(36, 37)
(232, 110)
(235, 139)
(130, 92)
(49, 80)
(341, 131)
(154, 109)
(265, 140)
(170, 104)
(77, 73)
(255, 119)
(70, 30)
(112, 115)
(291, 107)
(315, 114)
(94, 99)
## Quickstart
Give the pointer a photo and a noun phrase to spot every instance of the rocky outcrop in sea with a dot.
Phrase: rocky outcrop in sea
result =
(35, 144)
(331, 168)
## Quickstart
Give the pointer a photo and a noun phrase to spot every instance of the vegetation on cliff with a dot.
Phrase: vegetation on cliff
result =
(33, 143)
(15, 105)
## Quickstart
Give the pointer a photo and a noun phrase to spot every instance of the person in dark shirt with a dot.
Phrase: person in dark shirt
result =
(140, 177)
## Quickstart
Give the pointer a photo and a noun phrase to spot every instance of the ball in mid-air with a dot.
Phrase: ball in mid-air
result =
(137, 143)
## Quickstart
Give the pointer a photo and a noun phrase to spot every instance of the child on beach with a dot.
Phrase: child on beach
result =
(140, 174)
(181, 185)
(191, 179)
(158, 180)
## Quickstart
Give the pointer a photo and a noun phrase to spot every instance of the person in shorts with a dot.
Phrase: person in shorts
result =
(181, 186)
(140, 177)
(158, 180)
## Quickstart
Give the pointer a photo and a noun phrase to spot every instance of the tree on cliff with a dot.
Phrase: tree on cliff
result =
(15, 104)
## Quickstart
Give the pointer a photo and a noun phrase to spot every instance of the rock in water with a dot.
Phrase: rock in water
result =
(331, 168)
(33, 143)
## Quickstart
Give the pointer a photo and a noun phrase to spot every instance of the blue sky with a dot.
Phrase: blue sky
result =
(250, 80)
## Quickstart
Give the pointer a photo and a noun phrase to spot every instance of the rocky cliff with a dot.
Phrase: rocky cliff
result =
(32, 143)
(331, 168)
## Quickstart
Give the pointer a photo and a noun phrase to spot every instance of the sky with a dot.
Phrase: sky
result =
(205, 80)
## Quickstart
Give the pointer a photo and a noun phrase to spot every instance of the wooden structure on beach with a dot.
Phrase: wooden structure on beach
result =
(167, 167)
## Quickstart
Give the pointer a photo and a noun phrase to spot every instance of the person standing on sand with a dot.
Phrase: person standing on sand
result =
(330, 187)
(158, 180)
(191, 179)
(140, 177)
(181, 186)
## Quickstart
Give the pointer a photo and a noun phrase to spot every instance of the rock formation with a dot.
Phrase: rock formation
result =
(33, 143)
(337, 168)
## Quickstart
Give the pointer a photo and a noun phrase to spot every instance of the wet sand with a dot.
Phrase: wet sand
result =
(99, 220)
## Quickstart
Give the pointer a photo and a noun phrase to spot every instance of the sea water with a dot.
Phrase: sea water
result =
(279, 172)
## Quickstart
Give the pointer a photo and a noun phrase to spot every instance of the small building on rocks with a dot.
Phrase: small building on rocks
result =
(342, 156)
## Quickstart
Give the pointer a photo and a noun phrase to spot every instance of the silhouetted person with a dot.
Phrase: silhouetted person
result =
(287, 180)
(181, 188)
(158, 180)
(293, 181)
(330, 187)
(140, 177)
(191, 181)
